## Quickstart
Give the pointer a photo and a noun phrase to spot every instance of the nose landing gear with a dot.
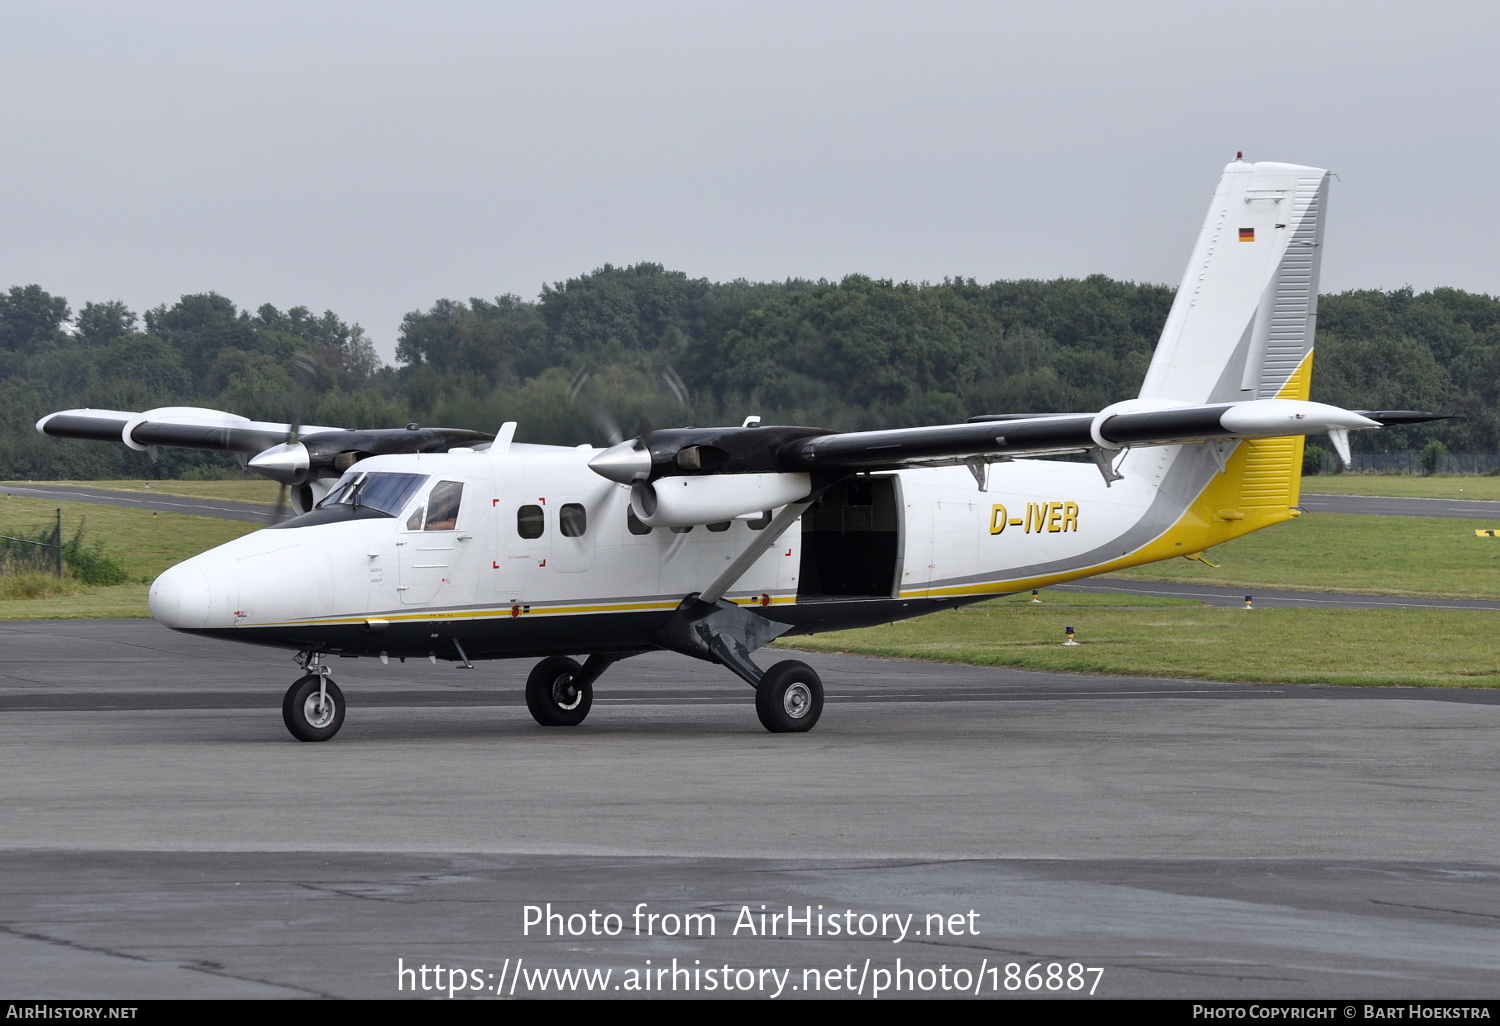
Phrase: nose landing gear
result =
(559, 691)
(313, 708)
(555, 694)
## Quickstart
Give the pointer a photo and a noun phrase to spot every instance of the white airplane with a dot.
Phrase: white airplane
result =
(712, 542)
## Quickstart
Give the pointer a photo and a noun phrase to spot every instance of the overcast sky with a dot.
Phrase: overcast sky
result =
(371, 158)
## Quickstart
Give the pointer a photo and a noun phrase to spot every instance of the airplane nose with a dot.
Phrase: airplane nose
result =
(180, 597)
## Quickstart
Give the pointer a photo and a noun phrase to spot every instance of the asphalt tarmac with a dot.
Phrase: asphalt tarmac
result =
(163, 836)
(1383, 506)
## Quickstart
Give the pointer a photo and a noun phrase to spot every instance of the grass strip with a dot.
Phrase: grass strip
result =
(1367, 647)
(1427, 556)
(145, 542)
(1405, 486)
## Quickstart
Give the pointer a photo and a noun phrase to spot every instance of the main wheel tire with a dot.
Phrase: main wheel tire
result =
(789, 698)
(552, 695)
(305, 718)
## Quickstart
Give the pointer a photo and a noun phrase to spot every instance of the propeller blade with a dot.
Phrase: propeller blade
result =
(288, 462)
(282, 508)
(592, 405)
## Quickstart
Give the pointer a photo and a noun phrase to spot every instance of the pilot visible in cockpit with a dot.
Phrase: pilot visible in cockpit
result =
(442, 508)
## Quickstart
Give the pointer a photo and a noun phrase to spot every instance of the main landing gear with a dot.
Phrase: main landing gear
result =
(789, 697)
(313, 708)
(559, 692)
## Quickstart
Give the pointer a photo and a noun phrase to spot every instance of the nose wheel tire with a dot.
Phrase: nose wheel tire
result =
(553, 693)
(312, 716)
(789, 698)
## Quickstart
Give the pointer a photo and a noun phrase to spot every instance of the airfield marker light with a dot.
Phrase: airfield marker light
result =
(1070, 640)
(1035, 597)
(1247, 603)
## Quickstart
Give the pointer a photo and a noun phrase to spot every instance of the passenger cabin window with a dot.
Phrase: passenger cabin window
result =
(761, 522)
(683, 530)
(530, 521)
(719, 528)
(633, 522)
(573, 520)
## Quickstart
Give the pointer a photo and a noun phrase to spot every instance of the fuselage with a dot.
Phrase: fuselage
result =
(529, 552)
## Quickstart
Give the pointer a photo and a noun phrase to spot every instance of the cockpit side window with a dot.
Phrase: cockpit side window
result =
(442, 506)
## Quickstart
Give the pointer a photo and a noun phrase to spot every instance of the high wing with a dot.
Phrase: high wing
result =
(282, 452)
(1131, 423)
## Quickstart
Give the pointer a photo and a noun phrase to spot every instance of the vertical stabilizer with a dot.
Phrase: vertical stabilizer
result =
(1242, 324)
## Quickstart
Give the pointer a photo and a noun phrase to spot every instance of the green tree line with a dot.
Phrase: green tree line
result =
(641, 346)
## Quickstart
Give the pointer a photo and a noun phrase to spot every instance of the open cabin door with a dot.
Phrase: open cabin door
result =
(851, 541)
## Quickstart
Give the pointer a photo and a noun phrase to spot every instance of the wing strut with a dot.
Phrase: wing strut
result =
(757, 547)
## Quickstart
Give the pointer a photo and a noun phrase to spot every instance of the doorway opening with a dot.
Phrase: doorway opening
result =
(851, 541)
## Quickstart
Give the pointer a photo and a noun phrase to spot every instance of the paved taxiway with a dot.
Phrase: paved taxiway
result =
(163, 836)
(1388, 506)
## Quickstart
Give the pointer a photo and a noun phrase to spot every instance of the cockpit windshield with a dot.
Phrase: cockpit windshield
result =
(388, 493)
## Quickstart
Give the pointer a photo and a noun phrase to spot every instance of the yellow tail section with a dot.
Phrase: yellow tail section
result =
(1260, 483)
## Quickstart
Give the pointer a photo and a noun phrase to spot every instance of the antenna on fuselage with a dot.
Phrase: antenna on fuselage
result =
(503, 438)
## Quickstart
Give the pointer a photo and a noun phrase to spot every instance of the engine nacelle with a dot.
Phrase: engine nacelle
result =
(689, 501)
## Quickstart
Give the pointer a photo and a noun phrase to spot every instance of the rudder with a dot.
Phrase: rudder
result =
(1242, 324)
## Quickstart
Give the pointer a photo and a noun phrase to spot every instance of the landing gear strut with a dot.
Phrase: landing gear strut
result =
(788, 696)
(313, 708)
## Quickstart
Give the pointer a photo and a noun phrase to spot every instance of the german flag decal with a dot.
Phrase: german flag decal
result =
(1247, 234)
